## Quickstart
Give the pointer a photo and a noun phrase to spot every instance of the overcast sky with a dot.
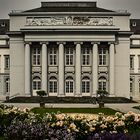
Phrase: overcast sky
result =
(132, 6)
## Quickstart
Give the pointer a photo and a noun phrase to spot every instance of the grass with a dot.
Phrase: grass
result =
(106, 111)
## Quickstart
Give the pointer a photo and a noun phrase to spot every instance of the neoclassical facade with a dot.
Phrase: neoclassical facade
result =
(69, 49)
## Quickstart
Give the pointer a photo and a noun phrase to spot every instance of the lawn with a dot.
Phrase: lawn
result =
(106, 111)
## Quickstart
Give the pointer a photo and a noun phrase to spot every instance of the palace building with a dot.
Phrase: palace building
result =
(70, 49)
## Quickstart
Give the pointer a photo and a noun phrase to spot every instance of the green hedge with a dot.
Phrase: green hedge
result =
(36, 99)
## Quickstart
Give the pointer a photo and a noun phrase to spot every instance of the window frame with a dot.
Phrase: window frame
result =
(131, 85)
(102, 56)
(86, 56)
(139, 85)
(36, 56)
(69, 56)
(85, 85)
(6, 62)
(53, 56)
(132, 62)
(69, 85)
(102, 83)
(7, 85)
(36, 83)
(54, 84)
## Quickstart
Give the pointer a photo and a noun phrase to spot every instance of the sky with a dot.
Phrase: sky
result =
(132, 6)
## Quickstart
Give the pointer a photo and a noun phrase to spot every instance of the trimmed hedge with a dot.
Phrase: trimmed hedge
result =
(36, 99)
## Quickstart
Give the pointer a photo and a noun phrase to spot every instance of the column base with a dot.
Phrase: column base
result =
(78, 95)
(61, 96)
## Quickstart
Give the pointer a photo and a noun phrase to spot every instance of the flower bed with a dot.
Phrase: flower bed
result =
(19, 124)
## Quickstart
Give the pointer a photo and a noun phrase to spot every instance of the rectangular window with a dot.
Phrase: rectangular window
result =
(7, 85)
(7, 61)
(131, 62)
(36, 85)
(85, 86)
(69, 86)
(69, 58)
(86, 56)
(102, 85)
(131, 87)
(139, 62)
(139, 86)
(102, 56)
(36, 56)
(53, 86)
(53, 56)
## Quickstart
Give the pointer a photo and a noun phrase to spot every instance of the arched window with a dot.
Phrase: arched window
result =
(36, 56)
(7, 85)
(69, 85)
(102, 83)
(53, 85)
(131, 85)
(85, 85)
(36, 83)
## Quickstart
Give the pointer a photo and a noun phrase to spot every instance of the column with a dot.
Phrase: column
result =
(95, 69)
(44, 67)
(61, 70)
(78, 70)
(111, 69)
(27, 70)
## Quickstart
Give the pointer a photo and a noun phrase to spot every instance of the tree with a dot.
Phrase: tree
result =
(41, 93)
(101, 94)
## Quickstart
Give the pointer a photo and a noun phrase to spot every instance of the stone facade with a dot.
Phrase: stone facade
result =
(69, 52)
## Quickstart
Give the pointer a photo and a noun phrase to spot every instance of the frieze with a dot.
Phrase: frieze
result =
(69, 20)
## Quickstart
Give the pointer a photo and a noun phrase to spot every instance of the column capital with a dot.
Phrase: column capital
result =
(61, 42)
(41, 43)
(78, 42)
(29, 43)
(111, 43)
(93, 43)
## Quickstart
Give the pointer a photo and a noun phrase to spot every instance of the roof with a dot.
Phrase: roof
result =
(4, 26)
(135, 25)
(85, 6)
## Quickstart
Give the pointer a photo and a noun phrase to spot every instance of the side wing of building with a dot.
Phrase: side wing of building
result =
(4, 59)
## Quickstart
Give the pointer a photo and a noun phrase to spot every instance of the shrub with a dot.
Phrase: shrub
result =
(102, 93)
(28, 126)
(41, 93)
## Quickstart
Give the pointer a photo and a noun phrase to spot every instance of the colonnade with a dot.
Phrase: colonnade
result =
(77, 68)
